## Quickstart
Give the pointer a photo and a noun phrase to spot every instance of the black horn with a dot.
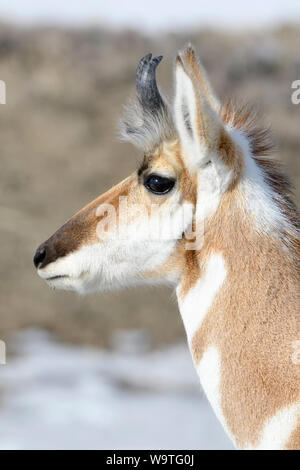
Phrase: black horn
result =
(146, 85)
(147, 121)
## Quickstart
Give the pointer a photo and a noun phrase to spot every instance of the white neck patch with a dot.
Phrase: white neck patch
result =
(196, 304)
(259, 199)
(278, 429)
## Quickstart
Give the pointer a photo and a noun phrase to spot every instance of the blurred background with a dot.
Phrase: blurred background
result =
(110, 371)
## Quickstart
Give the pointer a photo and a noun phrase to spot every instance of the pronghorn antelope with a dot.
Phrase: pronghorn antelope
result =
(238, 288)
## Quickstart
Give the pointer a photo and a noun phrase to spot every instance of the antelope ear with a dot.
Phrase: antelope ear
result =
(202, 135)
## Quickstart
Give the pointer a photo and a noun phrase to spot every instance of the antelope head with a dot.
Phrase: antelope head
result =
(140, 230)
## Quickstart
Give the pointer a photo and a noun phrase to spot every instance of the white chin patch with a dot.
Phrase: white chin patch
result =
(118, 262)
(80, 284)
(106, 266)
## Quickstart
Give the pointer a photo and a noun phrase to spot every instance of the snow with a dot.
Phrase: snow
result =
(159, 16)
(57, 396)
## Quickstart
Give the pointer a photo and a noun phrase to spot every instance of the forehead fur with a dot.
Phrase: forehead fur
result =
(152, 131)
(144, 129)
(167, 159)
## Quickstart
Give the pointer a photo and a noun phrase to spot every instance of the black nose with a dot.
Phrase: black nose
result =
(62, 242)
(48, 252)
(39, 256)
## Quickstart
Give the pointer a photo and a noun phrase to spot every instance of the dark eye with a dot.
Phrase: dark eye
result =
(158, 184)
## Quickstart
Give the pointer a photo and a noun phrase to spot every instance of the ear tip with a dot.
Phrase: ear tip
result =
(189, 47)
(186, 56)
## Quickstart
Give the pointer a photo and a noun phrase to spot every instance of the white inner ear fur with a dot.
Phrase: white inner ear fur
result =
(194, 152)
(213, 176)
(198, 153)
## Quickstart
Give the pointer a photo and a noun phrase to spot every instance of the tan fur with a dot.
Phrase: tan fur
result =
(230, 155)
(207, 122)
(191, 272)
(200, 74)
(171, 153)
(202, 121)
(81, 229)
(252, 322)
(246, 119)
